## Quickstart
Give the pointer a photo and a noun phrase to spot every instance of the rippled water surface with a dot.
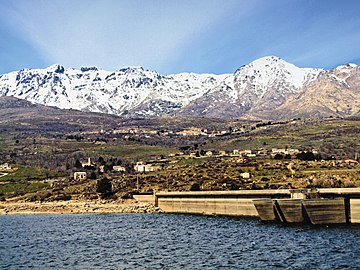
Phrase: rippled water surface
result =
(162, 241)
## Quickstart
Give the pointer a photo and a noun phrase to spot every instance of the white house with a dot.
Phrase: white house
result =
(80, 176)
(245, 175)
(87, 163)
(141, 167)
(119, 168)
(5, 166)
(245, 152)
(284, 151)
(209, 153)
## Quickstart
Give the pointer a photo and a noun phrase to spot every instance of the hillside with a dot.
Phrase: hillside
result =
(44, 146)
(22, 115)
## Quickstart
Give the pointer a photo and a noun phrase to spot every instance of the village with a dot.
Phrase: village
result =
(149, 158)
(212, 132)
(213, 170)
(161, 162)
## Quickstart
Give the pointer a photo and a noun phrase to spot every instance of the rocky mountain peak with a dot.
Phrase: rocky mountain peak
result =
(267, 70)
(86, 69)
(56, 68)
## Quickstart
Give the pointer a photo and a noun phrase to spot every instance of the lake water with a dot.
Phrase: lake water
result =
(164, 241)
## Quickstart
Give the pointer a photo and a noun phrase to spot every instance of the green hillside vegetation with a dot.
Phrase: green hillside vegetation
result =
(45, 146)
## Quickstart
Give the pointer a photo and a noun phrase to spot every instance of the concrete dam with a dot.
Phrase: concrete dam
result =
(315, 206)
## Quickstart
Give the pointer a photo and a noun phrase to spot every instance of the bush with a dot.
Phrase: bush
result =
(40, 196)
(308, 156)
(93, 176)
(195, 187)
(103, 186)
(78, 164)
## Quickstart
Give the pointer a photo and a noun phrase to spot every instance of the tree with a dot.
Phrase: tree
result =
(101, 161)
(119, 162)
(103, 186)
(78, 164)
(184, 148)
(195, 187)
(93, 175)
(308, 156)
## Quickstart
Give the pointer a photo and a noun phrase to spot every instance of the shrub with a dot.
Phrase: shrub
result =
(195, 187)
(103, 186)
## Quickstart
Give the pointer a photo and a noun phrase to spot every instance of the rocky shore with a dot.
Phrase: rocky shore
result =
(77, 207)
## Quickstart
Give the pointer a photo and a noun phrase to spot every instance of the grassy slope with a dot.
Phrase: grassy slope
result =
(41, 136)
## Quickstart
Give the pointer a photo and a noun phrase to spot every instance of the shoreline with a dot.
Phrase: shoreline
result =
(77, 207)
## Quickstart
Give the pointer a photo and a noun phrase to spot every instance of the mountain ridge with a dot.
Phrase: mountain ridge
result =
(267, 88)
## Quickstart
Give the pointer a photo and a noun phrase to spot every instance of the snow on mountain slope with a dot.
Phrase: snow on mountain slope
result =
(92, 89)
(334, 93)
(267, 82)
(261, 85)
(267, 88)
(268, 71)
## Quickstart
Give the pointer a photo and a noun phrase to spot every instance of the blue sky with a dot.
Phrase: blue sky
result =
(171, 36)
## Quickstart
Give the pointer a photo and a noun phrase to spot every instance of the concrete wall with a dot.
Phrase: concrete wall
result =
(208, 206)
(145, 198)
(355, 210)
(237, 203)
(340, 191)
(265, 193)
(230, 203)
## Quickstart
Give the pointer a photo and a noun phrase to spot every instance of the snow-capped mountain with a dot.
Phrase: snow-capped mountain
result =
(261, 85)
(267, 88)
(334, 93)
(129, 91)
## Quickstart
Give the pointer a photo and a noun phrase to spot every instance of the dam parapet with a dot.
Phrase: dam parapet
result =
(315, 206)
